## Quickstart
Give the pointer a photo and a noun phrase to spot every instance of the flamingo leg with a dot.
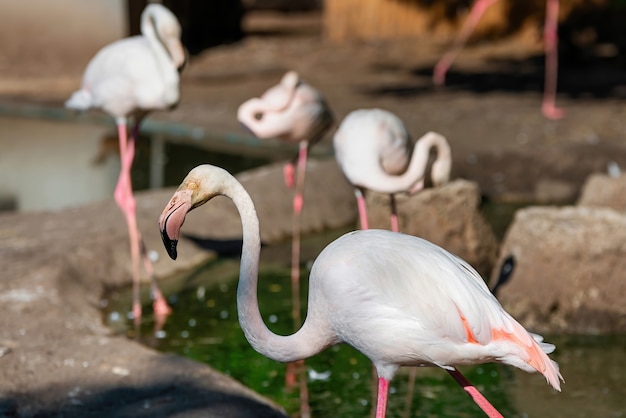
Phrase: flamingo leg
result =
(289, 174)
(471, 390)
(381, 403)
(395, 227)
(551, 40)
(478, 9)
(125, 200)
(298, 368)
(160, 307)
(360, 201)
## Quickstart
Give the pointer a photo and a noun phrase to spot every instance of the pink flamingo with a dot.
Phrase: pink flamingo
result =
(374, 151)
(292, 111)
(127, 79)
(398, 299)
(548, 106)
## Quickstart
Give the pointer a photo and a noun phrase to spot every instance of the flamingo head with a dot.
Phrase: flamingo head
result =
(201, 185)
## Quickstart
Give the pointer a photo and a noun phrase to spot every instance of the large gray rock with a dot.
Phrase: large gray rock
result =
(605, 191)
(569, 272)
(449, 216)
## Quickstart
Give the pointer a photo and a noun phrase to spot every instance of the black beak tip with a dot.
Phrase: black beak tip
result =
(170, 245)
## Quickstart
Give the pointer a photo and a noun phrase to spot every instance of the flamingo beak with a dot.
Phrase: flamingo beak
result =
(172, 219)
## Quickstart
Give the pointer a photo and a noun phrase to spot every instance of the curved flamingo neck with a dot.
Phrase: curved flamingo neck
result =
(305, 342)
(413, 178)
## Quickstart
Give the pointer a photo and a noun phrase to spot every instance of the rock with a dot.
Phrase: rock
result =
(568, 276)
(449, 216)
(606, 191)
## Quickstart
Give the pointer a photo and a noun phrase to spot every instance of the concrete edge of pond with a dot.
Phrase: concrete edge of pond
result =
(177, 132)
(56, 355)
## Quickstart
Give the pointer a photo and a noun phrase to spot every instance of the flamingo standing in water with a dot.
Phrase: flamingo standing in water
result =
(292, 111)
(374, 151)
(479, 7)
(398, 299)
(127, 79)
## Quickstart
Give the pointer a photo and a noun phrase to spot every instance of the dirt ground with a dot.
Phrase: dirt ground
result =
(490, 112)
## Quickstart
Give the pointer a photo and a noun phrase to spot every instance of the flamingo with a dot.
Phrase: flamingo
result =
(373, 149)
(398, 299)
(292, 111)
(127, 79)
(548, 107)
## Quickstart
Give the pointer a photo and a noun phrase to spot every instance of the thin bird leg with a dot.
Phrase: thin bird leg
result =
(381, 403)
(395, 227)
(471, 390)
(360, 201)
(444, 64)
(289, 170)
(125, 200)
(551, 40)
(298, 202)
(289, 173)
(160, 307)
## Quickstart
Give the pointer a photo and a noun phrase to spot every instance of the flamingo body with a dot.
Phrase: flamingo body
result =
(399, 299)
(375, 152)
(403, 301)
(139, 73)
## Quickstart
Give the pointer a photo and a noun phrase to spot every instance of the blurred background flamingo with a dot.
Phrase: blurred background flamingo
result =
(375, 152)
(127, 79)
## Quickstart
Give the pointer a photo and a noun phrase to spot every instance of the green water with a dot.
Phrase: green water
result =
(204, 327)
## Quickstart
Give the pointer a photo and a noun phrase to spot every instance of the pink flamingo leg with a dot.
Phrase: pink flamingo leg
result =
(298, 368)
(444, 64)
(160, 307)
(289, 174)
(395, 227)
(125, 200)
(548, 107)
(360, 201)
(381, 403)
(471, 390)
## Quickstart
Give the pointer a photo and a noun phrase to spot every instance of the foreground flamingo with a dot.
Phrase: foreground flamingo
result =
(292, 111)
(374, 151)
(127, 79)
(548, 107)
(399, 299)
